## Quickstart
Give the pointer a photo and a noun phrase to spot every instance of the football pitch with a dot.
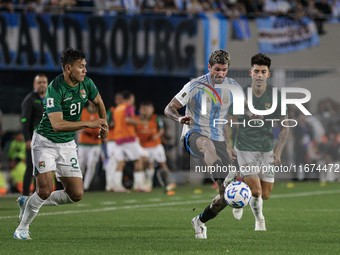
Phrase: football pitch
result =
(304, 219)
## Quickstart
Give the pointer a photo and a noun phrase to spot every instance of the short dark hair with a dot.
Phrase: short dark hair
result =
(70, 55)
(145, 103)
(261, 60)
(40, 75)
(221, 57)
(127, 94)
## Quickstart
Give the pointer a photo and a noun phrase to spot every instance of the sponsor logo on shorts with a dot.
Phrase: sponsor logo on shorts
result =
(83, 93)
(42, 164)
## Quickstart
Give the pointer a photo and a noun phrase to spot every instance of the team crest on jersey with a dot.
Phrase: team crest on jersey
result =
(42, 164)
(83, 93)
(267, 106)
(225, 99)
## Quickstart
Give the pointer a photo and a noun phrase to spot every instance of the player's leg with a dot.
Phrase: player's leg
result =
(267, 188)
(135, 152)
(83, 156)
(93, 158)
(157, 154)
(256, 202)
(111, 165)
(249, 170)
(207, 147)
(28, 174)
(44, 182)
(118, 174)
(69, 173)
(43, 157)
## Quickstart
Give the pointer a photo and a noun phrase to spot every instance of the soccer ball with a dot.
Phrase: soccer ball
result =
(237, 194)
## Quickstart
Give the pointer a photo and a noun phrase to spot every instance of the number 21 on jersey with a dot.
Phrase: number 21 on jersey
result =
(75, 108)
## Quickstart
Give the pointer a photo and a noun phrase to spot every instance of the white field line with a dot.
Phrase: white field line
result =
(302, 194)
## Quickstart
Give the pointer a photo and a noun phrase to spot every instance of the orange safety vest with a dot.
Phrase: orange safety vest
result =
(89, 136)
(145, 133)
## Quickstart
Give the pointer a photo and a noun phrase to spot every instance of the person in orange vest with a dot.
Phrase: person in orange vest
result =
(150, 139)
(89, 145)
(127, 144)
(111, 164)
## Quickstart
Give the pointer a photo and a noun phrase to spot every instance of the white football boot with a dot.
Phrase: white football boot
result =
(260, 225)
(200, 228)
(231, 177)
(22, 201)
(237, 212)
(22, 234)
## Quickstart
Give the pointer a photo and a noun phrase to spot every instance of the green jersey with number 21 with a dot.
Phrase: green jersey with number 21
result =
(61, 97)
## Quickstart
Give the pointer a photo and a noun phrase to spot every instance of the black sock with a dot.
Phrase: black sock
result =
(207, 214)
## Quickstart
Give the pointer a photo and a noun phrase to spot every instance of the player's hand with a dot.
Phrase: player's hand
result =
(231, 152)
(254, 116)
(277, 159)
(98, 123)
(28, 144)
(185, 120)
(103, 132)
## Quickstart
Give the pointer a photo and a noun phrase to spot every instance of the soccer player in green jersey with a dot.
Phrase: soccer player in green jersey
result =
(53, 145)
(254, 142)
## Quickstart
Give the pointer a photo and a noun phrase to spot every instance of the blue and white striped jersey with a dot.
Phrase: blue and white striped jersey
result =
(205, 106)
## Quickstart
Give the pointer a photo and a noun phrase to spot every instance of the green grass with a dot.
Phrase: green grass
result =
(300, 220)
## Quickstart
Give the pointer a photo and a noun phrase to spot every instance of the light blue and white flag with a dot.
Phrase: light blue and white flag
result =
(215, 30)
(282, 35)
(241, 29)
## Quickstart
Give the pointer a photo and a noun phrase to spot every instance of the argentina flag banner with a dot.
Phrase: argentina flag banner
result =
(241, 30)
(282, 35)
(215, 30)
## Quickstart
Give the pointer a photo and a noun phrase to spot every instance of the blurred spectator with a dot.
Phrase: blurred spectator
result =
(17, 155)
(210, 5)
(7, 6)
(277, 7)
(303, 134)
(194, 7)
(335, 11)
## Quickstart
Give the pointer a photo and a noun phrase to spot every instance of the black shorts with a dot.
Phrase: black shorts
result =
(191, 147)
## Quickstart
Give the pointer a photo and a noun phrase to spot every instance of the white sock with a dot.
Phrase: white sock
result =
(58, 197)
(117, 179)
(138, 178)
(90, 171)
(32, 208)
(150, 173)
(256, 204)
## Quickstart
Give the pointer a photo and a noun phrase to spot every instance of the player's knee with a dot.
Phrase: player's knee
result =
(207, 144)
(44, 193)
(265, 196)
(76, 196)
(256, 193)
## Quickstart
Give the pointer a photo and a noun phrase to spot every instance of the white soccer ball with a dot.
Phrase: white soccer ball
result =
(237, 194)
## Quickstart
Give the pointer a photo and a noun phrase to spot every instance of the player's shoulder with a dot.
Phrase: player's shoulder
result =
(271, 87)
(56, 83)
(196, 82)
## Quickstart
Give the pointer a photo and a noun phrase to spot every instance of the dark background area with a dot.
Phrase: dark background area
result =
(15, 85)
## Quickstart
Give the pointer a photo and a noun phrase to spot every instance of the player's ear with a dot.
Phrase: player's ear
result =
(250, 72)
(269, 73)
(67, 68)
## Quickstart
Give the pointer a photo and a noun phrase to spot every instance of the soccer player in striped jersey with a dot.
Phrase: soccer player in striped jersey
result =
(254, 143)
(200, 136)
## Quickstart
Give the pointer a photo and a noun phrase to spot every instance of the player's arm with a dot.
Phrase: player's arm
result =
(160, 128)
(131, 120)
(61, 125)
(171, 110)
(100, 107)
(283, 137)
(26, 113)
(230, 150)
